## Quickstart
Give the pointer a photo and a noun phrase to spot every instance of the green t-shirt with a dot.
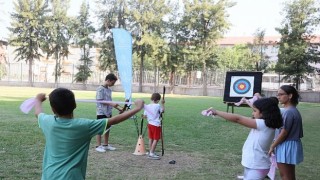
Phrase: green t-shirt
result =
(67, 145)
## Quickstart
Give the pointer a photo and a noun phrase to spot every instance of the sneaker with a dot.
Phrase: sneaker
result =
(109, 147)
(153, 156)
(240, 177)
(100, 149)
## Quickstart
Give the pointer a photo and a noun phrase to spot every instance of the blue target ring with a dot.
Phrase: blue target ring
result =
(241, 86)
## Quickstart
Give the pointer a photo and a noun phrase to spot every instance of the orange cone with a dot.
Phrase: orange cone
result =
(140, 149)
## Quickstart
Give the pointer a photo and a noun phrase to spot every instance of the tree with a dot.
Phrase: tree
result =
(84, 30)
(111, 14)
(258, 49)
(27, 22)
(235, 58)
(205, 22)
(146, 19)
(57, 34)
(295, 52)
(175, 56)
(3, 59)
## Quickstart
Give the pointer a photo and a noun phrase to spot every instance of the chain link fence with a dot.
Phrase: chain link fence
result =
(19, 72)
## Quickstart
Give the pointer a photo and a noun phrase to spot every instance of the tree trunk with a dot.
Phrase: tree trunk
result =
(155, 89)
(171, 81)
(297, 83)
(189, 76)
(30, 72)
(204, 77)
(141, 69)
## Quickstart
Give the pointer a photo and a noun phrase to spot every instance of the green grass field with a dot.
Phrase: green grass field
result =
(203, 147)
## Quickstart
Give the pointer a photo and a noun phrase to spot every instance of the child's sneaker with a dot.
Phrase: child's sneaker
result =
(240, 177)
(153, 156)
(109, 147)
(100, 149)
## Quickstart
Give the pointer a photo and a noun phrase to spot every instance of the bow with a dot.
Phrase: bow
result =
(161, 116)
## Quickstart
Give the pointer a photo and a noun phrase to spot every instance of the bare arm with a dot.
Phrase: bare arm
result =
(282, 136)
(38, 106)
(125, 115)
(245, 121)
(115, 105)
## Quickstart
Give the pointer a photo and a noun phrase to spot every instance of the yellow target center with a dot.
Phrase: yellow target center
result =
(242, 86)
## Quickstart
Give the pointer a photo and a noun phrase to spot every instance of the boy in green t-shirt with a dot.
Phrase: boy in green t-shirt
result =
(68, 138)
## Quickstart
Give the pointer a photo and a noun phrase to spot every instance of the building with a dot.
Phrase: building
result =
(271, 44)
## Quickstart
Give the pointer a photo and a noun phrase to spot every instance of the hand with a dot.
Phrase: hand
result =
(271, 150)
(41, 97)
(143, 116)
(139, 103)
(115, 105)
(212, 111)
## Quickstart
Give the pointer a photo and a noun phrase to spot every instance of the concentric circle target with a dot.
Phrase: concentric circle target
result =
(241, 86)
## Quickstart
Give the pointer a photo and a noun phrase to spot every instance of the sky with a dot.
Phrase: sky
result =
(246, 16)
(249, 15)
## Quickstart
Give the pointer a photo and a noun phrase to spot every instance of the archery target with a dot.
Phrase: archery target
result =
(241, 86)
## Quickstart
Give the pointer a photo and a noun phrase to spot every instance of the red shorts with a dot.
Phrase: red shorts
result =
(154, 132)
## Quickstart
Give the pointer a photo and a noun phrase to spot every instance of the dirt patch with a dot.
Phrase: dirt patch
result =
(121, 164)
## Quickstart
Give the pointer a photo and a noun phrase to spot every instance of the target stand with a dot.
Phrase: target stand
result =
(232, 105)
(241, 84)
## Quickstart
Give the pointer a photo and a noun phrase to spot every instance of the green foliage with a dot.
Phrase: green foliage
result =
(237, 57)
(204, 23)
(295, 52)
(147, 24)
(83, 74)
(258, 50)
(83, 30)
(107, 58)
(57, 34)
(111, 14)
(26, 24)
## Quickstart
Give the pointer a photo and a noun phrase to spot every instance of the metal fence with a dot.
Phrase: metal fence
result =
(19, 72)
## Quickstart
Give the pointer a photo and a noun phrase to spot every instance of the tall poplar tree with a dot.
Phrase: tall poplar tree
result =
(57, 34)
(111, 14)
(146, 18)
(258, 49)
(26, 23)
(84, 30)
(295, 51)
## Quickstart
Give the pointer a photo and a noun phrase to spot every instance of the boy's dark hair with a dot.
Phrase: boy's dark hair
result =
(62, 101)
(155, 97)
(291, 90)
(270, 111)
(111, 77)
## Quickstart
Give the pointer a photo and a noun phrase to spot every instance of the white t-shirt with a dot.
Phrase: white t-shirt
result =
(153, 114)
(255, 149)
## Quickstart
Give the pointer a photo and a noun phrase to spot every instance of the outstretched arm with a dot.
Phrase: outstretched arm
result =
(125, 115)
(245, 121)
(38, 106)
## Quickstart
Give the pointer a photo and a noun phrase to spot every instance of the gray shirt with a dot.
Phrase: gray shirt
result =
(104, 93)
(292, 123)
